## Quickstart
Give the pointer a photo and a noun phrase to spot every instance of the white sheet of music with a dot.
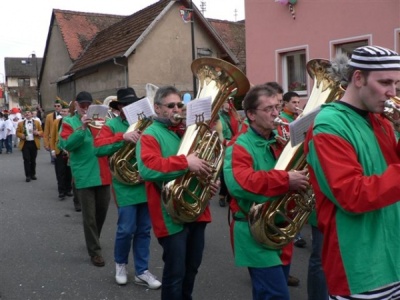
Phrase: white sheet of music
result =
(138, 110)
(299, 127)
(198, 110)
(97, 111)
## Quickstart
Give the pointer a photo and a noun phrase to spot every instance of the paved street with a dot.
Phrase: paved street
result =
(43, 254)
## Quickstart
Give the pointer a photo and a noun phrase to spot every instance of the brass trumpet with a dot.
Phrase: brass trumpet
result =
(390, 107)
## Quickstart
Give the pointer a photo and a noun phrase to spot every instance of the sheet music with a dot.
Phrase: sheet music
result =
(138, 110)
(198, 110)
(97, 111)
(298, 128)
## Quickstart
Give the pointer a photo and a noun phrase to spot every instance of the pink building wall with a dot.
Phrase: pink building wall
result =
(318, 26)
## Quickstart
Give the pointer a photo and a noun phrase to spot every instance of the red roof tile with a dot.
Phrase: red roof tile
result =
(79, 28)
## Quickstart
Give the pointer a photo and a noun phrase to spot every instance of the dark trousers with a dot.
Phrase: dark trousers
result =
(182, 255)
(8, 143)
(29, 153)
(63, 174)
(2, 144)
(223, 191)
(94, 203)
(316, 283)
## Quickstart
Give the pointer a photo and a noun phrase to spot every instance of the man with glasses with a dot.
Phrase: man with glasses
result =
(159, 163)
(133, 226)
(48, 124)
(91, 174)
(250, 178)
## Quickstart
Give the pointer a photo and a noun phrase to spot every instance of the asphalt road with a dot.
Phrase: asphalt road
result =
(43, 254)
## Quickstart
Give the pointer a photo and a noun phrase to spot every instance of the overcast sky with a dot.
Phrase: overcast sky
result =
(24, 24)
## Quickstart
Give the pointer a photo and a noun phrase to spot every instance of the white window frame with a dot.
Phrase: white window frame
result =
(302, 78)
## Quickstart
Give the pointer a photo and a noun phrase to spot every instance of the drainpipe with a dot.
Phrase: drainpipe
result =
(125, 71)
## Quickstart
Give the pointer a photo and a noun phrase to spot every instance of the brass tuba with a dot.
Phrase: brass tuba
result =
(276, 223)
(120, 162)
(186, 197)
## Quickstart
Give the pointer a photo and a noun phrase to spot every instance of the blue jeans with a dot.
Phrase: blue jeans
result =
(2, 141)
(133, 228)
(316, 284)
(270, 283)
(182, 257)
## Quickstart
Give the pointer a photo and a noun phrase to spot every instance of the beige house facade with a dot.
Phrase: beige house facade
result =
(153, 45)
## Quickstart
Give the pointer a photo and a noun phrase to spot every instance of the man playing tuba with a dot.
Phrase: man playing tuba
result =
(250, 179)
(133, 227)
(158, 163)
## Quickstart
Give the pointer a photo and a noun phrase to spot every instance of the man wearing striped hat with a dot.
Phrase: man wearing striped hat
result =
(354, 163)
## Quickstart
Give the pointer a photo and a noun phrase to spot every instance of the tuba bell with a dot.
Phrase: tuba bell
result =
(186, 197)
(120, 162)
(275, 224)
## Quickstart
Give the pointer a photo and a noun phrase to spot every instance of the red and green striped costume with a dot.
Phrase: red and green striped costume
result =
(108, 141)
(158, 164)
(249, 176)
(88, 170)
(354, 164)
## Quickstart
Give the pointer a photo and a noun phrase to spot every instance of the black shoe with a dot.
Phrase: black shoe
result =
(61, 196)
(77, 207)
(28, 179)
(33, 177)
(300, 242)
(293, 281)
(222, 202)
(69, 194)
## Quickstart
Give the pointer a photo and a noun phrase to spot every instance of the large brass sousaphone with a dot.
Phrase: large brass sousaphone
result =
(275, 224)
(186, 197)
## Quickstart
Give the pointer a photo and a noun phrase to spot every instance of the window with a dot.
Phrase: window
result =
(202, 52)
(294, 72)
(349, 47)
(24, 82)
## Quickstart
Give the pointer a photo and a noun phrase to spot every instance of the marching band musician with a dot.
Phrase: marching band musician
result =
(29, 133)
(61, 165)
(158, 163)
(227, 126)
(91, 174)
(249, 175)
(48, 124)
(133, 227)
(354, 164)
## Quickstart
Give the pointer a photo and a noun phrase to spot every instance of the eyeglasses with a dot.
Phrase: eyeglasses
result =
(172, 104)
(269, 109)
(57, 105)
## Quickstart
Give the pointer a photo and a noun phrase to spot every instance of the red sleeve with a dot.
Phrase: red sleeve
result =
(268, 183)
(344, 174)
(107, 137)
(150, 154)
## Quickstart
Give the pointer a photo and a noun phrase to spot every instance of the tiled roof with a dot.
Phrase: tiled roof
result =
(79, 28)
(234, 36)
(115, 40)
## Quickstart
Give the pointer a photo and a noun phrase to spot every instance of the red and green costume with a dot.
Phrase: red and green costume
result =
(88, 170)
(250, 177)
(108, 141)
(158, 164)
(354, 163)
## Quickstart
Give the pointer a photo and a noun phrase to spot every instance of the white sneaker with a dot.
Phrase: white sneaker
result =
(121, 274)
(148, 280)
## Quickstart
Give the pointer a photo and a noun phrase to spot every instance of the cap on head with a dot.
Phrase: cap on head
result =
(125, 96)
(374, 58)
(83, 97)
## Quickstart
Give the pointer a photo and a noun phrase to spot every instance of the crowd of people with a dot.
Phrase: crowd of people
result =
(353, 156)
